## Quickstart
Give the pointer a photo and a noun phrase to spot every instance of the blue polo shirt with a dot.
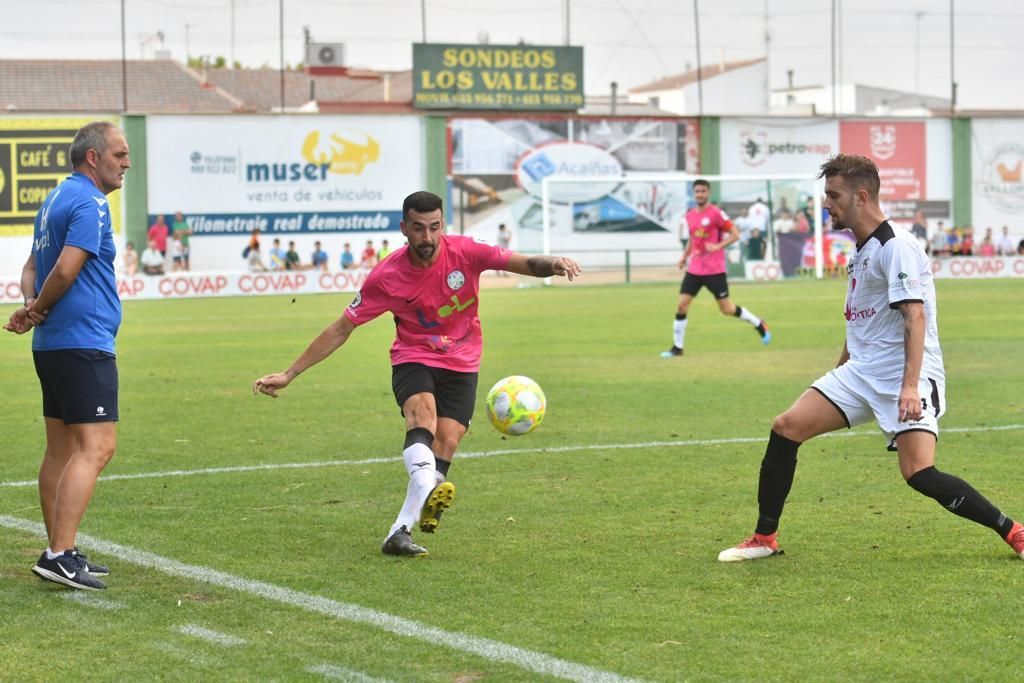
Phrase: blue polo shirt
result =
(76, 213)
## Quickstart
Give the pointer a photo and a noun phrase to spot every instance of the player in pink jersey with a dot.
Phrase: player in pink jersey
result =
(431, 287)
(711, 232)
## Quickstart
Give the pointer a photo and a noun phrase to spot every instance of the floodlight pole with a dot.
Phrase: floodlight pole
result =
(280, 6)
(124, 64)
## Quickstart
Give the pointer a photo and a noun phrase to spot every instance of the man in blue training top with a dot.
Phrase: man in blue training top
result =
(71, 300)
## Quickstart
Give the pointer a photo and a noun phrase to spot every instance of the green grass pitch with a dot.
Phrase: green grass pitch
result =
(591, 542)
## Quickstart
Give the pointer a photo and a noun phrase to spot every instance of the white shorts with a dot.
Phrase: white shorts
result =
(861, 397)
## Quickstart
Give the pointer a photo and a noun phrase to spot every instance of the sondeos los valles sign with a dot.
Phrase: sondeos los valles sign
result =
(518, 77)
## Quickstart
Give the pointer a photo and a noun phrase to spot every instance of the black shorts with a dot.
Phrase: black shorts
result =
(79, 385)
(454, 392)
(716, 284)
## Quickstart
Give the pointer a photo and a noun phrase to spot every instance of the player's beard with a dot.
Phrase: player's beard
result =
(425, 251)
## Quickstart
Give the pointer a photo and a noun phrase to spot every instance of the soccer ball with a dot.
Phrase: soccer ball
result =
(515, 405)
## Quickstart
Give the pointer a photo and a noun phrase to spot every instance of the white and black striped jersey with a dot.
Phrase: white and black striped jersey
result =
(889, 268)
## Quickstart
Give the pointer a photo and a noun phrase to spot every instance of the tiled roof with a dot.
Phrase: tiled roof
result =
(96, 85)
(169, 87)
(260, 89)
(679, 80)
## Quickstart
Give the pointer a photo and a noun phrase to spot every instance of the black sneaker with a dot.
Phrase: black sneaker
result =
(400, 543)
(439, 500)
(92, 567)
(69, 569)
(672, 353)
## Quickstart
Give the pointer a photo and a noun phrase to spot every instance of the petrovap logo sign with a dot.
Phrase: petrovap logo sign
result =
(1001, 177)
(754, 147)
(523, 77)
(284, 174)
(759, 146)
(567, 159)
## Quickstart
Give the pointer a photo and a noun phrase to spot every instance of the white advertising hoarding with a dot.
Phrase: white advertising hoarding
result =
(797, 146)
(283, 174)
(997, 160)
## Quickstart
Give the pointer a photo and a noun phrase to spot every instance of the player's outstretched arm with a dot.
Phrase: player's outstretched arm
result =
(328, 341)
(543, 266)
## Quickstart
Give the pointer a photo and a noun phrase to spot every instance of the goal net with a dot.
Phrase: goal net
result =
(636, 222)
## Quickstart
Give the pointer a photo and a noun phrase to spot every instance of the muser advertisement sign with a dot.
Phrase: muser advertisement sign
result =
(283, 174)
(504, 77)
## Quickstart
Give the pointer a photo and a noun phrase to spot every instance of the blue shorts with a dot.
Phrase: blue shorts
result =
(79, 385)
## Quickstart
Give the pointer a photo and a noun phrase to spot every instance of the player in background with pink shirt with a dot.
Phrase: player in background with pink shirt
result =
(431, 287)
(711, 232)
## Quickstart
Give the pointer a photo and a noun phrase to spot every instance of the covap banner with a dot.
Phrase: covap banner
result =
(285, 174)
(202, 285)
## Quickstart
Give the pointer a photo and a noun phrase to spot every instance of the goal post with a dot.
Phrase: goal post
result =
(641, 213)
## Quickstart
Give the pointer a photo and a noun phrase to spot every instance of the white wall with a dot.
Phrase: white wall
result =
(735, 92)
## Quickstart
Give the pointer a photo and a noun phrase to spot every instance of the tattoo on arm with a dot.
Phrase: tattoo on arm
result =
(541, 266)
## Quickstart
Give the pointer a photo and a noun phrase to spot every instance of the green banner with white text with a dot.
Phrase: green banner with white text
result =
(505, 77)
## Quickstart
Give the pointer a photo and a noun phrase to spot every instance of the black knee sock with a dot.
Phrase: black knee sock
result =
(777, 469)
(960, 498)
(442, 465)
(738, 312)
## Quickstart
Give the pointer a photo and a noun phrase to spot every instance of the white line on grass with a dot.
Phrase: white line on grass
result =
(492, 650)
(92, 600)
(340, 673)
(487, 454)
(209, 635)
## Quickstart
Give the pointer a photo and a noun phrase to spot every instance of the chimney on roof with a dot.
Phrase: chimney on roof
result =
(721, 60)
(387, 87)
(789, 78)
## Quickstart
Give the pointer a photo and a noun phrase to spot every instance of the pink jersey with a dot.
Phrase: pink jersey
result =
(709, 224)
(435, 308)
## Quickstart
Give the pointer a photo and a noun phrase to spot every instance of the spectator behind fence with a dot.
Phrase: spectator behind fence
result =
(254, 260)
(319, 257)
(967, 242)
(384, 250)
(505, 242)
(1004, 246)
(152, 260)
(179, 227)
(158, 233)
(347, 259)
(131, 260)
(277, 256)
(177, 253)
(368, 259)
(291, 258)
(938, 243)
(756, 246)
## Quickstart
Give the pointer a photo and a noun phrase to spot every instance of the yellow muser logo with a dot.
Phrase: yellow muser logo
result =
(347, 151)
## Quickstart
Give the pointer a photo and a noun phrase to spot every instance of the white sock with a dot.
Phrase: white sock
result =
(679, 332)
(50, 555)
(749, 317)
(420, 464)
